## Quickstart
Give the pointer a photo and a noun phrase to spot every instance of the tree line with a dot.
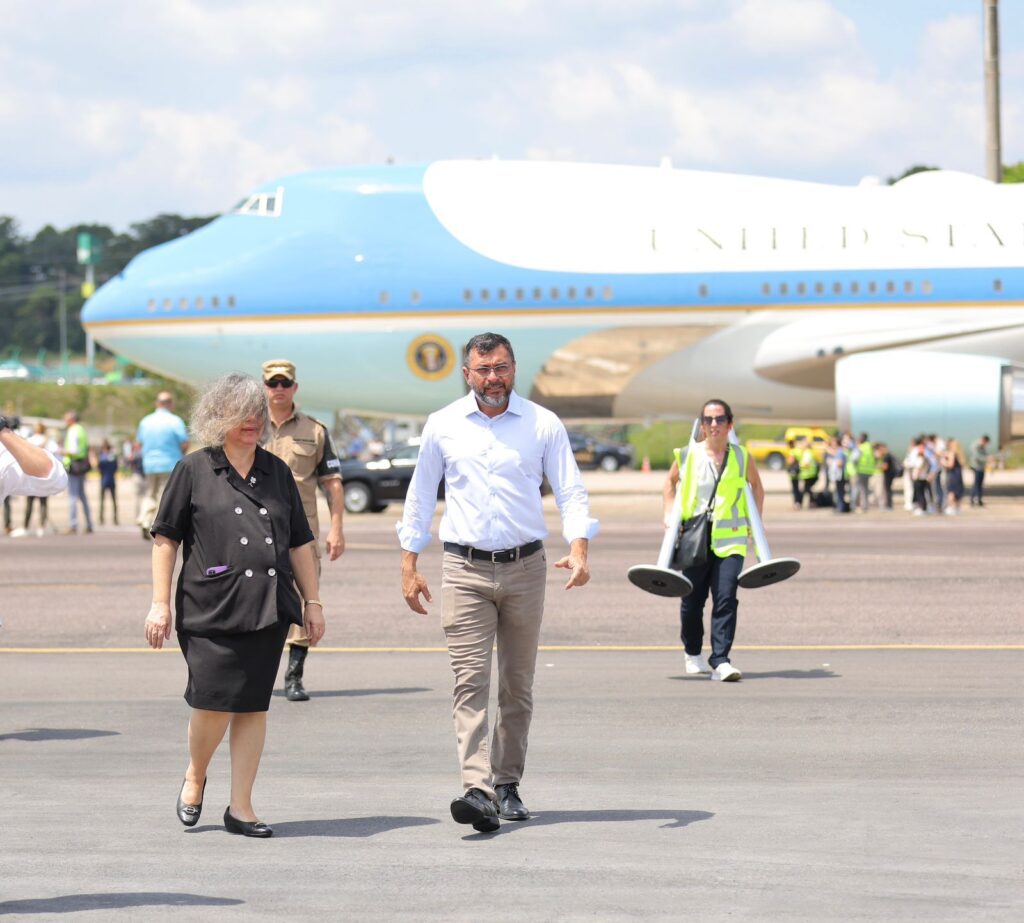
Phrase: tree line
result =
(34, 269)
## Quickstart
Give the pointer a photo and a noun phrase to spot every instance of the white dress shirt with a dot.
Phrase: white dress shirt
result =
(493, 467)
(14, 481)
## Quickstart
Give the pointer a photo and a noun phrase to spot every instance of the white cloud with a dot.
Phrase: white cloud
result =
(784, 27)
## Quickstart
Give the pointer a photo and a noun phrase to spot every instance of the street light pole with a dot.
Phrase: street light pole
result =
(993, 144)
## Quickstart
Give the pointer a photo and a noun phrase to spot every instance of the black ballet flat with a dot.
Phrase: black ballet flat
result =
(188, 814)
(244, 827)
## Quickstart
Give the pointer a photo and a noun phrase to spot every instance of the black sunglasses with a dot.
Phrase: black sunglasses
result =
(279, 383)
(718, 418)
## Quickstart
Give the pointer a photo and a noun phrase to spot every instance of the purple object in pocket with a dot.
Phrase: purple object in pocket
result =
(219, 569)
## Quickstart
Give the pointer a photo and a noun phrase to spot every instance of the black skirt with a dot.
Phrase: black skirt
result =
(234, 673)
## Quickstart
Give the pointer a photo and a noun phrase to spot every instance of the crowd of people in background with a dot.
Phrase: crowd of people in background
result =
(859, 474)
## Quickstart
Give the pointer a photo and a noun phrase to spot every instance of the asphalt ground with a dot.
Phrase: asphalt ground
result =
(869, 766)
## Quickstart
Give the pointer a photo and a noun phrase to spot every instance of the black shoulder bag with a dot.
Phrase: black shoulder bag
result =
(695, 539)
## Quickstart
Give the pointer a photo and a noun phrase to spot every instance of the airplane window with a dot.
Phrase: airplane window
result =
(819, 288)
(271, 203)
(854, 288)
(837, 288)
(890, 286)
(484, 294)
(383, 297)
(520, 294)
(151, 306)
(872, 287)
(766, 289)
(554, 294)
(997, 285)
(231, 301)
(167, 304)
(606, 293)
(199, 302)
(801, 288)
(502, 295)
(702, 290)
(783, 288)
(215, 301)
(589, 292)
(570, 292)
(414, 296)
(183, 304)
(467, 295)
(908, 287)
(537, 294)
(926, 287)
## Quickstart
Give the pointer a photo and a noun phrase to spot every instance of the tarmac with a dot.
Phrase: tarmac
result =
(868, 767)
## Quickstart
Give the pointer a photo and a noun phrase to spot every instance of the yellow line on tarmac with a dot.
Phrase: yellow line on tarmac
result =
(553, 647)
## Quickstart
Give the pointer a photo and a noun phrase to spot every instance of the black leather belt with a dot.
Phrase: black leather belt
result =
(495, 557)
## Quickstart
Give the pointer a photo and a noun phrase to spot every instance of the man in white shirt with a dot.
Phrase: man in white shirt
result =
(26, 469)
(493, 448)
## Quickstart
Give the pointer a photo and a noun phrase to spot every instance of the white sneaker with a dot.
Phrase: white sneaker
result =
(726, 673)
(19, 533)
(695, 663)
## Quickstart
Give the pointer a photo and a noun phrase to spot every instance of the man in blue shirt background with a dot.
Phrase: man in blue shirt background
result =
(163, 440)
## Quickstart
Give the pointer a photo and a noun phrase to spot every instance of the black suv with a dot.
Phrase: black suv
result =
(369, 486)
(590, 453)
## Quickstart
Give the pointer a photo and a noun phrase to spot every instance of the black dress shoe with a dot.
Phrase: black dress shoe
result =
(510, 806)
(245, 827)
(188, 814)
(477, 809)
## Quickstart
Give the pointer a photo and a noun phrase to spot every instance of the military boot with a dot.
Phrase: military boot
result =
(293, 689)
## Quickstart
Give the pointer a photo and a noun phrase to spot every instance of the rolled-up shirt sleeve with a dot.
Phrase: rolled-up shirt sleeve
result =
(14, 481)
(421, 498)
(563, 475)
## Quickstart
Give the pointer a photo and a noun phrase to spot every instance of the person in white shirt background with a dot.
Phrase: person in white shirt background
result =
(493, 448)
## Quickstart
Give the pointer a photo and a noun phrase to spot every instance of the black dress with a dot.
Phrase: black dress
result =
(236, 595)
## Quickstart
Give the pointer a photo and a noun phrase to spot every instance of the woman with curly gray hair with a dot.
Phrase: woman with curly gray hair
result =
(247, 545)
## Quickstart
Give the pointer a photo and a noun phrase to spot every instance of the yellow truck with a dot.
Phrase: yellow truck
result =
(773, 452)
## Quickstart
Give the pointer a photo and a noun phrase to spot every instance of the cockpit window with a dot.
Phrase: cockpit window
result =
(264, 204)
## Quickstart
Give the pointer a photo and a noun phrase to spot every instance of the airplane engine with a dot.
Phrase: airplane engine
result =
(894, 395)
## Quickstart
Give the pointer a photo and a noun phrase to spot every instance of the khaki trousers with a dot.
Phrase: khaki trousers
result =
(297, 633)
(482, 603)
(155, 484)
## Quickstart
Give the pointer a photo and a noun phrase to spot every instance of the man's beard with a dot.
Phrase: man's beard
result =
(493, 400)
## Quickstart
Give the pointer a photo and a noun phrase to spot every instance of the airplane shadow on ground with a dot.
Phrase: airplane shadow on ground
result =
(36, 734)
(337, 827)
(817, 673)
(347, 693)
(674, 819)
(74, 903)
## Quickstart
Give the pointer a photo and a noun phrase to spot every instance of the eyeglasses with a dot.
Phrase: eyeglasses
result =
(719, 418)
(279, 383)
(485, 371)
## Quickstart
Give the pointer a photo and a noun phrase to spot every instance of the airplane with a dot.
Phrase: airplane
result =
(627, 292)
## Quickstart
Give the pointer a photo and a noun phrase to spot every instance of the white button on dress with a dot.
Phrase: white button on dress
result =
(248, 573)
(243, 540)
(263, 511)
(238, 510)
(272, 572)
(269, 540)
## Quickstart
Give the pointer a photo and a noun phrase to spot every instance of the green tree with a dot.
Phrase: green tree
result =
(1014, 172)
(910, 171)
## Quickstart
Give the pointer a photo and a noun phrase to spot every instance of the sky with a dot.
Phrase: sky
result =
(117, 110)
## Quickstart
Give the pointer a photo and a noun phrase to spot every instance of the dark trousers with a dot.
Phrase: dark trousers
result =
(887, 485)
(104, 490)
(29, 503)
(978, 486)
(718, 577)
(839, 491)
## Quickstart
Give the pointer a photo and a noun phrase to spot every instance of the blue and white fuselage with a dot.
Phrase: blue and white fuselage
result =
(626, 291)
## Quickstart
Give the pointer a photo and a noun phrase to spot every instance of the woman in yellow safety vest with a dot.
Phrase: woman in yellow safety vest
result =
(714, 477)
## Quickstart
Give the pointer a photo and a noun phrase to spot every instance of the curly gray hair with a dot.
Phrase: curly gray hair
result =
(226, 402)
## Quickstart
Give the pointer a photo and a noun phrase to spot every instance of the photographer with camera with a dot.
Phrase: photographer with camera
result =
(26, 469)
